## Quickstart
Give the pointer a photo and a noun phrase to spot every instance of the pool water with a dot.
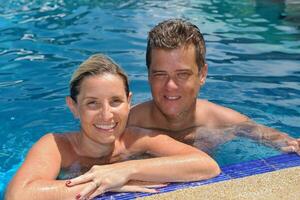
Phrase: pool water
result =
(253, 53)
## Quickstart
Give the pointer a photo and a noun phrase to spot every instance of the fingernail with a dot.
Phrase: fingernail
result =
(78, 196)
(68, 182)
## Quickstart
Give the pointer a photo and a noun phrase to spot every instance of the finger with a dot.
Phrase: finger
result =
(132, 188)
(288, 149)
(92, 187)
(150, 185)
(80, 179)
(146, 183)
(100, 190)
(157, 185)
(293, 143)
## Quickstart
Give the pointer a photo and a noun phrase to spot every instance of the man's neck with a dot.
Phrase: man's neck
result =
(179, 122)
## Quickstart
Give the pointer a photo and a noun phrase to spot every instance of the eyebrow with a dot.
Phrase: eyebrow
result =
(87, 98)
(154, 71)
(184, 70)
(179, 70)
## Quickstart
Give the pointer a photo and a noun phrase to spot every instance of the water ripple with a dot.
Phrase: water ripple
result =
(11, 83)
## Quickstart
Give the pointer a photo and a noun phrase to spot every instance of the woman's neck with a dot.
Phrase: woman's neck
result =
(84, 146)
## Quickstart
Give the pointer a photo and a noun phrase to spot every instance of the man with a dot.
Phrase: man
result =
(177, 70)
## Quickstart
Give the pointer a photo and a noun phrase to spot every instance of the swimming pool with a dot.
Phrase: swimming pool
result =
(253, 52)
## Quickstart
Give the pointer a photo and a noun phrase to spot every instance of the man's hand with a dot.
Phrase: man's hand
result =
(293, 145)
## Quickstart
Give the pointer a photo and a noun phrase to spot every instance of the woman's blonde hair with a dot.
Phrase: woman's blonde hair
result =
(97, 64)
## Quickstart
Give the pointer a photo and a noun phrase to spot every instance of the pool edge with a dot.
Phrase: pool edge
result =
(229, 172)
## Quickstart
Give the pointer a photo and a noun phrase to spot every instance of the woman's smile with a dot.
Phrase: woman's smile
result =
(106, 127)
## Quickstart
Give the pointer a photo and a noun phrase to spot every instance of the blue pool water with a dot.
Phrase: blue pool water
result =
(253, 52)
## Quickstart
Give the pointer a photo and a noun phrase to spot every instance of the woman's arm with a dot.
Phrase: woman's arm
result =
(177, 162)
(36, 177)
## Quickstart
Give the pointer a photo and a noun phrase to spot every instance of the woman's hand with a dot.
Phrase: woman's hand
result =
(136, 186)
(100, 179)
(104, 178)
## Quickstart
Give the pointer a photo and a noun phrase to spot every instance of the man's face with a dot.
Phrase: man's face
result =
(175, 80)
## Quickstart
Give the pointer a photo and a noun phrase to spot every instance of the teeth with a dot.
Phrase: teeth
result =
(172, 97)
(106, 126)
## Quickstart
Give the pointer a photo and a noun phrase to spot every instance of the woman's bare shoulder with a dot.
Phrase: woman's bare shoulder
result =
(56, 139)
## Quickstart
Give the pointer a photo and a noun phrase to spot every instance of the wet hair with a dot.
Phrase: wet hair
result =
(175, 33)
(97, 64)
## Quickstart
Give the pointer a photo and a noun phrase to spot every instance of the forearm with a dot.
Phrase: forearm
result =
(262, 134)
(173, 169)
(42, 190)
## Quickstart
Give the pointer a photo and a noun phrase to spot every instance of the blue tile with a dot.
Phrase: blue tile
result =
(234, 171)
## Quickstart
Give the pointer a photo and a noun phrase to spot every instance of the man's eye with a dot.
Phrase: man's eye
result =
(183, 75)
(159, 75)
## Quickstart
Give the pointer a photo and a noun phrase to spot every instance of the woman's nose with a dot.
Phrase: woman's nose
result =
(106, 113)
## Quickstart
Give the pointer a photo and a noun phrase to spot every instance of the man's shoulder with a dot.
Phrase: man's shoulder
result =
(218, 115)
(207, 105)
(140, 113)
(141, 106)
(141, 109)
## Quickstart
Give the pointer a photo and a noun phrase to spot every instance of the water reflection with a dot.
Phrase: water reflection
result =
(287, 11)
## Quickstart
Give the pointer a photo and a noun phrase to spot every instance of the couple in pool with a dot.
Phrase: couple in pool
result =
(169, 127)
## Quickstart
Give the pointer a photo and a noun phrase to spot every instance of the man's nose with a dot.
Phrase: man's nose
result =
(171, 83)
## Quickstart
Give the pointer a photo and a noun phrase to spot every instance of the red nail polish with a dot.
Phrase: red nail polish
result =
(68, 182)
(78, 196)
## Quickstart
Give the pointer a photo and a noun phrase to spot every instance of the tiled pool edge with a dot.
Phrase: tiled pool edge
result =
(229, 172)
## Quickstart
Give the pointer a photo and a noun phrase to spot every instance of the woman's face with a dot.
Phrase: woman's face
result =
(102, 107)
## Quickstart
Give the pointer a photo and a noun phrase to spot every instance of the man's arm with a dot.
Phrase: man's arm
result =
(234, 123)
(266, 135)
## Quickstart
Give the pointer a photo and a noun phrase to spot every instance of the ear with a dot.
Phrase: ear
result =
(203, 74)
(129, 99)
(72, 106)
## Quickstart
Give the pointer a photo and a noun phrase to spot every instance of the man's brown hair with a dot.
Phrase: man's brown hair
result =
(175, 33)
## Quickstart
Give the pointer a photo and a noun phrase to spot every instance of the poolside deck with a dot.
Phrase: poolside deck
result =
(278, 185)
(276, 178)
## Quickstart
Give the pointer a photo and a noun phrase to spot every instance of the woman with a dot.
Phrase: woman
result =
(100, 98)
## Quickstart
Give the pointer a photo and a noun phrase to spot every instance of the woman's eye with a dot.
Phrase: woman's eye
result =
(92, 104)
(116, 102)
